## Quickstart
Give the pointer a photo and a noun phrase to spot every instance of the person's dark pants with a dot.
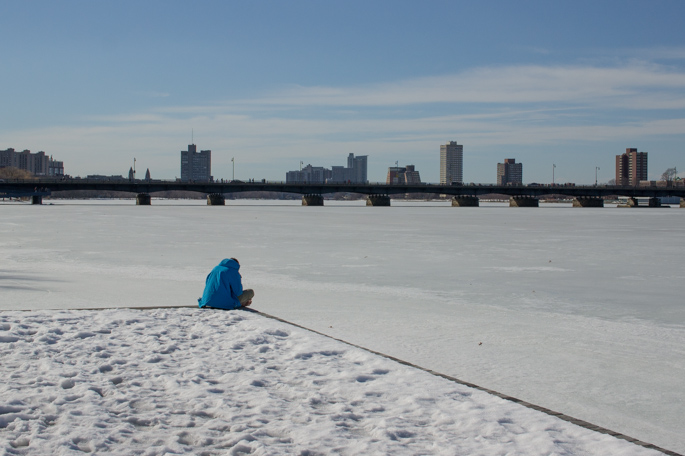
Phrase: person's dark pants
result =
(246, 296)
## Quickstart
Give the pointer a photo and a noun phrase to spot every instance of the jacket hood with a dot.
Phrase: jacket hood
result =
(229, 263)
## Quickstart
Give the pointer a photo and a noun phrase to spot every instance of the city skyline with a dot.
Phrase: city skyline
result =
(98, 84)
(630, 168)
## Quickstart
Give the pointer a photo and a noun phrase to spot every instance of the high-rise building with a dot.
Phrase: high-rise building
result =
(631, 167)
(355, 172)
(55, 168)
(509, 172)
(403, 175)
(6, 158)
(38, 164)
(357, 166)
(308, 175)
(196, 166)
(451, 163)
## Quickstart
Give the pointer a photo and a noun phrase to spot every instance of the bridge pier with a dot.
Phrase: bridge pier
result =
(651, 202)
(216, 199)
(312, 200)
(36, 199)
(143, 199)
(630, 202)
(523, 201)
(465, 201)
(654, 202)
(682, 202)
(588, 201)
(378, 200)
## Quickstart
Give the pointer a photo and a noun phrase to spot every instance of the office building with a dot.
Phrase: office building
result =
(196, 166)
(308, 175)
(451, 163)
(403, 175)
(631, 167)
(509, 172)
(355, 172)
(357, 166)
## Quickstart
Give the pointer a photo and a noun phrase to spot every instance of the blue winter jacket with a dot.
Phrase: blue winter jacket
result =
(223, 286)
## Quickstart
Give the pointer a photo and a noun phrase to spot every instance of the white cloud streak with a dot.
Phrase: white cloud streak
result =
(575, 85)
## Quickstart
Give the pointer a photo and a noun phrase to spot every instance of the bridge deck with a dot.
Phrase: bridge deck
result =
(29, 187)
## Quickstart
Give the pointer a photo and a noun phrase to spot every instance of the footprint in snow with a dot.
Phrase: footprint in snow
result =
(49, 340)
(400, 434)
(308, 355)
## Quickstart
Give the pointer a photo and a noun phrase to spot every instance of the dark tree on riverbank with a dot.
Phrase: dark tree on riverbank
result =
(669, 175)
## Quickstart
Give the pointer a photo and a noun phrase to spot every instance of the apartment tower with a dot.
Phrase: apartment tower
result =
(631, 167)
(451, 163)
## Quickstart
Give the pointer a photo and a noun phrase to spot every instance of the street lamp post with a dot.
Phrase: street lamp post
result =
(233, 161)
(596, 169)
(553, 166)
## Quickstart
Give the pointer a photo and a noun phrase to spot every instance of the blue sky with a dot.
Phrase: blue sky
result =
(565, 83)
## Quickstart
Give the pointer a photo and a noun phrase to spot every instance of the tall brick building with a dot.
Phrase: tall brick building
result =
(631, 167)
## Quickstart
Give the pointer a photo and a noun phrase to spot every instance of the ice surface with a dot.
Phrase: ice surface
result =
(578, 310)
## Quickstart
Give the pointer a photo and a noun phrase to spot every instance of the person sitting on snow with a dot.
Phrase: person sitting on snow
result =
(224, 288)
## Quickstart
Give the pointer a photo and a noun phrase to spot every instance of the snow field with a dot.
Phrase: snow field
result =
(179, 381)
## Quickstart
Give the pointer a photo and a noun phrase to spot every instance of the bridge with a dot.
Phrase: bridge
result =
(378, 194)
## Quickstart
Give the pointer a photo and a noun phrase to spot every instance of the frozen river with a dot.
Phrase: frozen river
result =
(577, 310)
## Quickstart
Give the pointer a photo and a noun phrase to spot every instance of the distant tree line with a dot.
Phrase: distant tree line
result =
(10, 172)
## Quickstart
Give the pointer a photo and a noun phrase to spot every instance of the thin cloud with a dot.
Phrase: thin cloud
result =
(503, 85)
(659, 53)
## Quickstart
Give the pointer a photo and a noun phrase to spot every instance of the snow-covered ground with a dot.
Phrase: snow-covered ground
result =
(577, 310)
(158, 382)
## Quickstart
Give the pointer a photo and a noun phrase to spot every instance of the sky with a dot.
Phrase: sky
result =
(562, 87)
